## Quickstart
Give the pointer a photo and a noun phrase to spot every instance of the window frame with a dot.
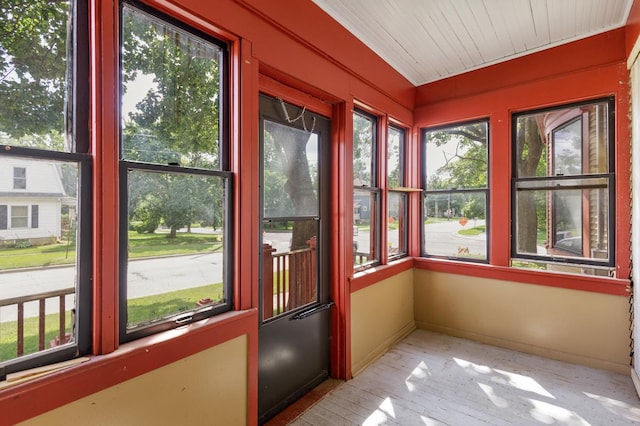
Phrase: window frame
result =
(76, 123)
(486, 191)
(375, 192)
(19, 182)
(542, 183)
(401, 192)
(223, 172)
(15, 217)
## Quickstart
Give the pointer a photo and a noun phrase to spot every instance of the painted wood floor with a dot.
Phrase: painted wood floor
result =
(432, 379)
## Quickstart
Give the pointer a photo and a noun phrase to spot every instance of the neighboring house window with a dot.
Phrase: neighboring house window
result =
(44, 130)
(175, 182)
(19, 178)
(397, 198)
(563, 189)
(456, 191)
(19, 217)
(366, 191)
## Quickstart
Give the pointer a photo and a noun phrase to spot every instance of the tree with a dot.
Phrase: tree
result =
(288, 171)
(176, 121)
(33, 71)
(465, 159)
(530, 144)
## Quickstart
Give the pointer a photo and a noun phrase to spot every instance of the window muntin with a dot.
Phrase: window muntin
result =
(563, 188)
(174, 186)
(455, 200)
(366, 193)
(42, 128)
(397, 200)
(19, 178)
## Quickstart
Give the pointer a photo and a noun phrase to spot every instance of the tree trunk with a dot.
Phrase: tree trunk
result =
(530, 148)
(292, 145)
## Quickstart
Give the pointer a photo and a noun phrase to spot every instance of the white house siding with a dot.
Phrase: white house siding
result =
(43, 188)
(49, 219)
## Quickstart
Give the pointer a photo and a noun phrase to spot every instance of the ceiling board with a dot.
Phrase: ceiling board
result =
(428, 40)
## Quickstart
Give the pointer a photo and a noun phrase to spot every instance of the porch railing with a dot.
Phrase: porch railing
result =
(290, 277)
(41, 298)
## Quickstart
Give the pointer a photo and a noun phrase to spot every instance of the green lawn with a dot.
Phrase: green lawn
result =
(140, 311)
(473, 231)
(140, 245)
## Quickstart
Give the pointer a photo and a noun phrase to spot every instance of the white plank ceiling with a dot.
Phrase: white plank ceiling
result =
(428, 40)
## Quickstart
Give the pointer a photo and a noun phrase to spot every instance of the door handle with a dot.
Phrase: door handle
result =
(311, 311)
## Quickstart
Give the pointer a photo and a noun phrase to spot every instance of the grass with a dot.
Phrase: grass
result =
(9, 338)
(140, 310)
(140, 245)
(473, 231)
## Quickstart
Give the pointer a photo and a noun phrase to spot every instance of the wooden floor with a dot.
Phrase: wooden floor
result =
(431, 379)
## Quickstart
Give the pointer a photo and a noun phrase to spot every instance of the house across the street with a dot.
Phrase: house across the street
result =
(32, 197)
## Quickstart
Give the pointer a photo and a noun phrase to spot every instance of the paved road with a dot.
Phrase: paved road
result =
(443, 239)
(145, 277)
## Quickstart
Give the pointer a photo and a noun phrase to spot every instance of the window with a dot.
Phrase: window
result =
(397, 199)
(366, 191)
(174, 180)
(19, 217)
(563, 189)
(47, 223)
(19, 178)
(455, 182)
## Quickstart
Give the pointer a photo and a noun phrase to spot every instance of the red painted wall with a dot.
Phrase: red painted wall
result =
(295, 44)
(586, 69)
(632, 30)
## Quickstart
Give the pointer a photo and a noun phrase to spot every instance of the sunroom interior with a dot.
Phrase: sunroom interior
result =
(466, 168)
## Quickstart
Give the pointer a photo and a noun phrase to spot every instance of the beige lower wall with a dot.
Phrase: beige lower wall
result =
(570, 325)
(381, 314)
(207, 388)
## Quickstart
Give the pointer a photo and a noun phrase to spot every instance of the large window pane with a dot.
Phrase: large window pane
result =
(455, 224)
(457, 157)
(563, 182)
(38, 263)
(366, 193)
(45, 255)
(365, 232)
(395, 158)
(397, 224)
(174, 181)
(171, 97)
(569, 222)
(363, 150)
(455, 179)
(33, 73)
(290, 171)
(176, 252)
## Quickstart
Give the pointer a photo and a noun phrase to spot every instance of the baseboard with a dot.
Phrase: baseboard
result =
(636, 380)
(381, 349)
(527, 348)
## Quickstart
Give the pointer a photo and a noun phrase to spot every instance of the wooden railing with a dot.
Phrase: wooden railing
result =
(290, 277)
(41, 298)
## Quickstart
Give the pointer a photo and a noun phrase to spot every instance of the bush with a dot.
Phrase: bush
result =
(23, 243)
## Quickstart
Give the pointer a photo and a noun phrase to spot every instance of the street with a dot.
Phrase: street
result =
(145, 277)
